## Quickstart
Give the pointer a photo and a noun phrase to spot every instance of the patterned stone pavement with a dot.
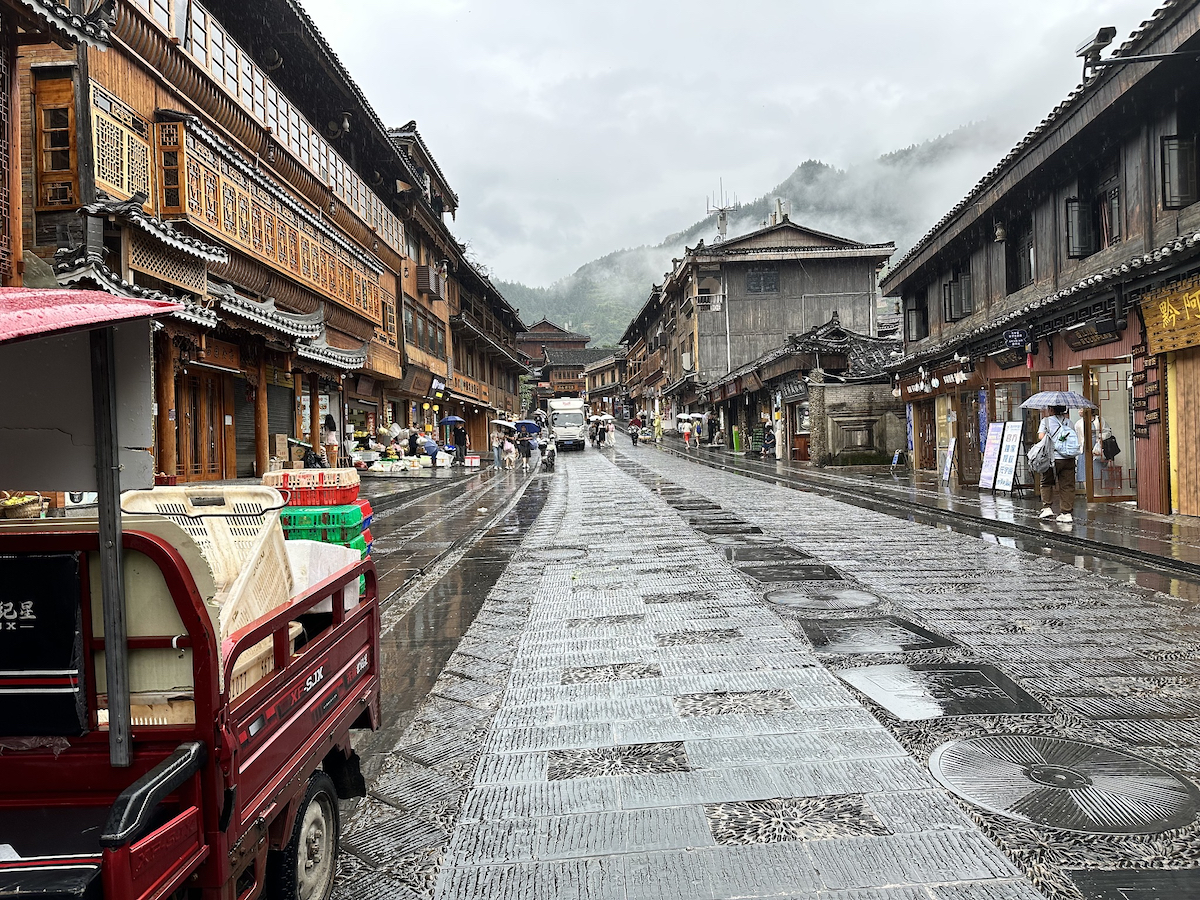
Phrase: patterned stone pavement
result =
(687, 684)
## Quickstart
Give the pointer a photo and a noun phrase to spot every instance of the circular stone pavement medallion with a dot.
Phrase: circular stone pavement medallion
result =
(839, 598)
(1065, 784)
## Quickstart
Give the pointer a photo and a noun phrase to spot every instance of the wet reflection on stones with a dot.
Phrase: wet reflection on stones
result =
(842, 598)
(929, 692)
(885, 635)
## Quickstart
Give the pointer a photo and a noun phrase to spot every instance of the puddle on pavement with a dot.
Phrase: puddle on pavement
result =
(912, 693)
(884, 635)
(415, 649)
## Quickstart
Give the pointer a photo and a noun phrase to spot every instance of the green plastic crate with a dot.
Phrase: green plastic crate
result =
(347, 516)
(327, 535)
(359, 544)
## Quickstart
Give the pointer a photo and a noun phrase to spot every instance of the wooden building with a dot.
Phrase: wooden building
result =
(604, 383)
(1074, 264)
(545, 335)
(645, 341)
(561, 374)
(220, 154)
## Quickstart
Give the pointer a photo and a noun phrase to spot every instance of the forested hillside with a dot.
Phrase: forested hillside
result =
(896, 197)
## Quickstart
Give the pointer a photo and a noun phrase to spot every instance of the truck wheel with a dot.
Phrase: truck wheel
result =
(306, 867)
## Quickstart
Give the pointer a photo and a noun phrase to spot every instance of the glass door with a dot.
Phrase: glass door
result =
(970, 458)
(925, 438)
(946, 418)
(1107, 457)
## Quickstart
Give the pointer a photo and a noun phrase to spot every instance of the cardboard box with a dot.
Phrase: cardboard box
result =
(278, 445)
(298, 454)
(295, 465)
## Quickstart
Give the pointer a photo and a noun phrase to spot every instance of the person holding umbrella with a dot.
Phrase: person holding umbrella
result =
(1056, 429)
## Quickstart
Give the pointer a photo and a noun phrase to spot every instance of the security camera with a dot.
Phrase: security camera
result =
(1091, 48)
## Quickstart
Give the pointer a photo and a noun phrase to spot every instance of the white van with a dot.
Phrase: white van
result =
(568, 422)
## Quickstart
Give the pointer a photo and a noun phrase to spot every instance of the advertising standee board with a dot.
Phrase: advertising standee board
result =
(1010, 451)
(991, 456)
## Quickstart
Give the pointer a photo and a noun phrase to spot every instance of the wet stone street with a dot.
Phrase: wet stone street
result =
(644, 678)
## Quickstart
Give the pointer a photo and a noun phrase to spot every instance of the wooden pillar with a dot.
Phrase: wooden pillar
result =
(314, 412)
(261, 438)
(165, 389)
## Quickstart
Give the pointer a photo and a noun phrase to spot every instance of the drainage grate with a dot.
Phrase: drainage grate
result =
(709, 636)
(792, 819)
(1065, 784)
(791, 572)
(729, 529)
(930, 692)
(606, 621)
(629, 759)
(830, 599)
(886, 635)
(720, 703)
(626, 671)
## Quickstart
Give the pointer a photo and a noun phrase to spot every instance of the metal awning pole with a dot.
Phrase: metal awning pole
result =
(112, 576)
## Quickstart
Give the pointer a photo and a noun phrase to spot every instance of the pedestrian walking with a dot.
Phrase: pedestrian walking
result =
(497, 447)
(461, 442)
(525, 449)
(1059, 480)
(612, 434)
(686, 428)
(510, 454)
(415, 442)
(658, 428)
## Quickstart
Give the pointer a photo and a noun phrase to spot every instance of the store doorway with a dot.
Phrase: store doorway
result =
(200, 431)
(970, 453)
(925, 437)
(1007, 397)
(1107, 461)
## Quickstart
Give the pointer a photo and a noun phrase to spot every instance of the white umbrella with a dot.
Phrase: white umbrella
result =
(606, 418)
(504, 423)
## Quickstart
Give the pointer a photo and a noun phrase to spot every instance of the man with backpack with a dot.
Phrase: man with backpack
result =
(1059, 479)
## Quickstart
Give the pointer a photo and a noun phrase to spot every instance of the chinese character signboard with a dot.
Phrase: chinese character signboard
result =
(1010, 450)
(41, 645)
(1172, 315)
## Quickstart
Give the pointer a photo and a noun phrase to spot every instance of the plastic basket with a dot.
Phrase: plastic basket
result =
(258, 662)
(359, 544)
(237, 530)
(364, 506)
(348, 515)
(315, 487)
(329, 535)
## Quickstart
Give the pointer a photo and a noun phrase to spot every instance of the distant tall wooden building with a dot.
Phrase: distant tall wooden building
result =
(545, 335)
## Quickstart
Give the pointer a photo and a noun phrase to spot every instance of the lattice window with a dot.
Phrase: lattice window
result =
(148, 256)
(110, 152)
(121, 144)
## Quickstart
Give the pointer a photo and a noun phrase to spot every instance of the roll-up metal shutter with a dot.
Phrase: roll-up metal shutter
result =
(243, 426)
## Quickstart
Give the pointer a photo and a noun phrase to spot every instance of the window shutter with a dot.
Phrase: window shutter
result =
(1081, 230)
(967, 299)
(948, 302)
(1179, 171)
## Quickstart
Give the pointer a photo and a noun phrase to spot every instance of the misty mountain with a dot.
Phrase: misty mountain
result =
(896, 197)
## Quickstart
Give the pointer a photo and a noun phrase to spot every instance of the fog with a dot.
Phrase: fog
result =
(570, 130)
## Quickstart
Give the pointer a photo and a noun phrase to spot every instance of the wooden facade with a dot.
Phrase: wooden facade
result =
(303, 251)
(1069, 265)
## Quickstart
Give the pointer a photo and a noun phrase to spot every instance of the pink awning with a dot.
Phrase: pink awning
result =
(39, 312)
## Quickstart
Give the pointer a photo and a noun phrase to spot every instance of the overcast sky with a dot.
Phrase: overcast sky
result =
(571, 129)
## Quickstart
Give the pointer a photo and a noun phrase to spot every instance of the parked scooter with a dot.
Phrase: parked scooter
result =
(549, 452)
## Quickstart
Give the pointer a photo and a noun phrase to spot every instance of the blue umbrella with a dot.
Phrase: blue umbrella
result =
(528, 426)
(1069, 399)
(451, 420)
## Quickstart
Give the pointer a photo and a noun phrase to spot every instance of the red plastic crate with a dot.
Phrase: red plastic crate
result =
(322, 496)
(367, 536)
(365, 505)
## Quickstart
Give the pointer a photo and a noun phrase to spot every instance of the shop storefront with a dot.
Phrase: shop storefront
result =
(1165, 382)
